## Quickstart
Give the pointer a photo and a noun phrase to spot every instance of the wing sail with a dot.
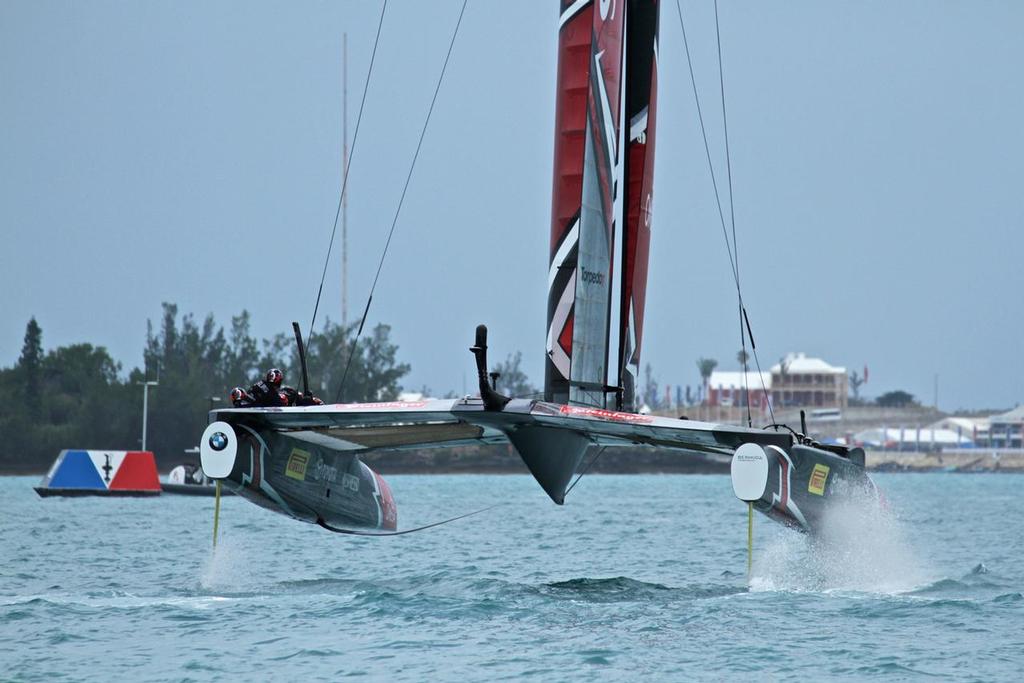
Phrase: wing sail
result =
(574, 38)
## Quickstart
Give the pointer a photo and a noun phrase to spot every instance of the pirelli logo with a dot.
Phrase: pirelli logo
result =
(296, 467)
(818, 478)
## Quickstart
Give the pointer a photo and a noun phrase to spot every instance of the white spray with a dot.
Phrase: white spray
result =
(861, 546)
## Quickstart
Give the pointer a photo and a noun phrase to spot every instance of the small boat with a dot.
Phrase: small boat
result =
(188, 479)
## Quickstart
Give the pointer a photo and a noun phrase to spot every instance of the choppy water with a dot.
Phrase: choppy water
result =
(636, 577)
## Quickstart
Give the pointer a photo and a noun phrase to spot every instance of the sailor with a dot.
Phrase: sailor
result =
(267, 392)
(272, 392)
(240, 398)
(304, 400)
(297, 398)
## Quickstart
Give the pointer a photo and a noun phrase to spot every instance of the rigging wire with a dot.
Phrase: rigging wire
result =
(348, 164)
(731, 248)
(732, 215)
(401, 200)
(707, 150)
(584, 471)
(320, 521)
(354, 532)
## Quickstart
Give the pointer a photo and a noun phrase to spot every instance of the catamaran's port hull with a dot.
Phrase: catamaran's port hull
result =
(308, 481)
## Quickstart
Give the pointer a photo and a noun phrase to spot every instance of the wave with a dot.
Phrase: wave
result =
(625, 589)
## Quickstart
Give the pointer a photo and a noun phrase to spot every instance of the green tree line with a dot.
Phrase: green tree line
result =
(78, 396)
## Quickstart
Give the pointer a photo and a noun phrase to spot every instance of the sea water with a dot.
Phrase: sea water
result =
(636, 577)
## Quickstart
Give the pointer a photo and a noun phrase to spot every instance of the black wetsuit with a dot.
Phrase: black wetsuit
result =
(244, 401)
(297, 398)
(265, 396)
(262, 395)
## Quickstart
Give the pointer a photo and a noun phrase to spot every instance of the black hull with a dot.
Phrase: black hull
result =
(46, 492)
(802, 485)
(306, 480)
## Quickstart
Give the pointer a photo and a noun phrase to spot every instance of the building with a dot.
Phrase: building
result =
(923, 440)
(803, 382)
(1006, 430)
(731, 389)
(973, 428)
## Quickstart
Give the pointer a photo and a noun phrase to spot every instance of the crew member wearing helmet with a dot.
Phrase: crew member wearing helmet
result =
(267, 392)
(271, 392)
(240, 398)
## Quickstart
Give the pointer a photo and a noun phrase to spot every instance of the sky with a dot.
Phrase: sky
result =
(191, 152)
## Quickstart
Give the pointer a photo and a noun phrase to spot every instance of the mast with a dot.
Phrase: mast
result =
(344, 170)
(641, 103)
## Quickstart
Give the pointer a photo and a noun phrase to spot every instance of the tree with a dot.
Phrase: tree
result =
(372, 375)
(742, 357)
(895, 399)
(855, 383)
(513, 381)
(706, 366)
(77, 396)
(241, 355)
(190, 361)
(28, 365)
(71, 396)
(650, 392)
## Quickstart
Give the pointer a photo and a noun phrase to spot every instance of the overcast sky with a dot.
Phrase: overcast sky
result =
(190, 152)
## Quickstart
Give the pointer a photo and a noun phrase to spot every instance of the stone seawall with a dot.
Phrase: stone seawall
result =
(980, 460)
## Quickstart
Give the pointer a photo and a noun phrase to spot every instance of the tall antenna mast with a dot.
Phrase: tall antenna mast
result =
(344, 165)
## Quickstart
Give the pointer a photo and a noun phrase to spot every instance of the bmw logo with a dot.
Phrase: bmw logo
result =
(219, 441)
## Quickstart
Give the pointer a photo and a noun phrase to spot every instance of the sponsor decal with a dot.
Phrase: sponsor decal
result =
(592, 277)
(350, 482)
(818, 478)
(602, 414)
(387, 405)
(296, 467)
(325, 472)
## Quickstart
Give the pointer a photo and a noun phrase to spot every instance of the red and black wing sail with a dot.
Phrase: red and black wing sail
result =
(573, 85)
(587, 179)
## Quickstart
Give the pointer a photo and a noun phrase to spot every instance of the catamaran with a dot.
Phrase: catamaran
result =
(306, 462)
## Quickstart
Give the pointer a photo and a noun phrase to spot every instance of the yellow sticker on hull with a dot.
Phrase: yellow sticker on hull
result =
(296, 467)
(818, 478)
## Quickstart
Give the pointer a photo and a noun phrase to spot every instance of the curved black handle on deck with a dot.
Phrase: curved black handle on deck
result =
(302, 358)
(492, 399)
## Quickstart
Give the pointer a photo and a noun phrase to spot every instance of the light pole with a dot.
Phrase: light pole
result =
(145, 406)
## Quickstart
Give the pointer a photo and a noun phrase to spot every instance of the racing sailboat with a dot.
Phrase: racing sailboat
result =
(305, 462)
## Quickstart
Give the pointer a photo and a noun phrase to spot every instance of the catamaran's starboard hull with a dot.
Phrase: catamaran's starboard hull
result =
(799, 486)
